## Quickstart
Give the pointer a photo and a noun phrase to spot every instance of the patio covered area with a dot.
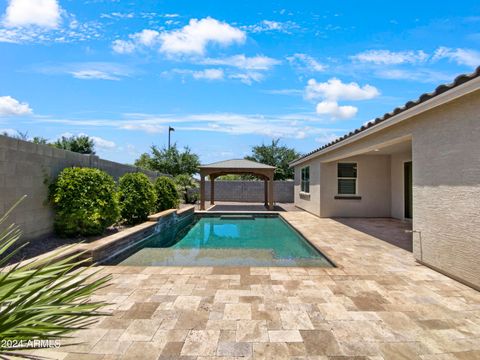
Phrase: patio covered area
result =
(237, 167)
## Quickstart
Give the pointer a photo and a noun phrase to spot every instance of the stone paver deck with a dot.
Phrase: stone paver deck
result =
(378, 304)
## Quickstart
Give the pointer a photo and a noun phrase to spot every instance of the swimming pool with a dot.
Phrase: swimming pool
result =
(225, 240)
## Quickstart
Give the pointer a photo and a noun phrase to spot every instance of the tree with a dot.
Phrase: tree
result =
(80, 144)
(275, 155)
(39, 140)
(186, 187)
(170, 161)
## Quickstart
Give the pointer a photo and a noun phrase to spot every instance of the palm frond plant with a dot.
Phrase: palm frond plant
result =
(44, 299)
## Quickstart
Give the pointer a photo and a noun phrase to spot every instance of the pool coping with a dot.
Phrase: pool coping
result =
(103, 249)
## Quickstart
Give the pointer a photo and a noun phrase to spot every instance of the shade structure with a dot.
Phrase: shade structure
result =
(238, 167)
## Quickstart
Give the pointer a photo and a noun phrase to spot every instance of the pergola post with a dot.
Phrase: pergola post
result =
(212, 190)
(270, 193)
(265, 188)
(202, 192)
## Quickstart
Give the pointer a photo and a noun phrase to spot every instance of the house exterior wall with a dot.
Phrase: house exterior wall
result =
(446, 184)
(26, 168)
(373, 186)
(397, 210)
(310, 202)
(446, 189)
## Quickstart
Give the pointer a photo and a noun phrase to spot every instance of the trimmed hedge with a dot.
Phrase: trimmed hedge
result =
(167, 194)
(136, 196)
(85, 201)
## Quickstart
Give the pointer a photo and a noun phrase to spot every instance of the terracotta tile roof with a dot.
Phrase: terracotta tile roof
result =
(461, 79)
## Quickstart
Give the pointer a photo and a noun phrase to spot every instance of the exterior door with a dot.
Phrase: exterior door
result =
(407, 181)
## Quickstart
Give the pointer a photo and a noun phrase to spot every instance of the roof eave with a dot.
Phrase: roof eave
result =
(441, 99)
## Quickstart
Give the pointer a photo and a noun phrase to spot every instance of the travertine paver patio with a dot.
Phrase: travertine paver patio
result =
(378, 304)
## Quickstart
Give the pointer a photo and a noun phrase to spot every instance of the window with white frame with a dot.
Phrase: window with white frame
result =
(347, 178)
(305, 183)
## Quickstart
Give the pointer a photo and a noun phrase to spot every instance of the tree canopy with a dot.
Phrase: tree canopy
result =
(275, 155)
(170, 161)
(80, 144)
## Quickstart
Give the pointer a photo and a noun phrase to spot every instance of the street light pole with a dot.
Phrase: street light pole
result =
(170, 129)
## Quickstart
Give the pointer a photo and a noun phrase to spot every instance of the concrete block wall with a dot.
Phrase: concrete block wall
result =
(249, 191)
(26, 169)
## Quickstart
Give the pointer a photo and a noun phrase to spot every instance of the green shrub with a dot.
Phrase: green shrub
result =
(167, 194)
(136, 196)
(186, 186)
(85, 201)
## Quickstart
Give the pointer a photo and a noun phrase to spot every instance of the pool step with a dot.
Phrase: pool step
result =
(237, 217)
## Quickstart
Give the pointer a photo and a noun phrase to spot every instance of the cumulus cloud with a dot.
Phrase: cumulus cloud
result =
(192, 39)
(12, 107)
(336, 111)
(42, 13)
(241, 61)
(306, 63)
(467, 57)
(387, 57)
(334, 89)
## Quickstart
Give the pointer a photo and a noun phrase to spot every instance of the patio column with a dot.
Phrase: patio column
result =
(202, 192)
(212, 190)
(270, 193)
(265, 188)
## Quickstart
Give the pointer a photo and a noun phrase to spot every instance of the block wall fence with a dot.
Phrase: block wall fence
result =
(250, 191)
(26, 168)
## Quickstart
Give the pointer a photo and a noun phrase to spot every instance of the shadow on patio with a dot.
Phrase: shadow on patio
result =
(386, 229)
(239, 206)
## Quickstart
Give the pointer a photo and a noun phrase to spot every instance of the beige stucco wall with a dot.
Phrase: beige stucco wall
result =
(373, 185)
(446, 183)
(311, 202)
(446, 189)
(397, 184)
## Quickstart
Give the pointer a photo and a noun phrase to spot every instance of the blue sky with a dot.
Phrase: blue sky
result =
(226, 75)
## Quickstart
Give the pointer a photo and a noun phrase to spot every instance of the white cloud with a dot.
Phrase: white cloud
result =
(306, 63)
(89, 70)
(103, 143)
(387, 57)
(123, 46)
(296, 125)
(421, 75)
(209, 74)
(269, 25)
(241, 61)
(42, 13)
(197, 35)
(12, 107)
(334, 89)
(248, 77)
(144, 39)
(467, 57)
(336, 111)
(9, 132)
(192, 39)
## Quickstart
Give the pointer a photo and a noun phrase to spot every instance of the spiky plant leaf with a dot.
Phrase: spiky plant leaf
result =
(44, 299)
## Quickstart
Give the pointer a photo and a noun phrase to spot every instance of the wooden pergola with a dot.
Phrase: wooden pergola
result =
(240, 167)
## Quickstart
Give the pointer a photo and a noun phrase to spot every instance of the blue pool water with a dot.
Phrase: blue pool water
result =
(227, 240)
